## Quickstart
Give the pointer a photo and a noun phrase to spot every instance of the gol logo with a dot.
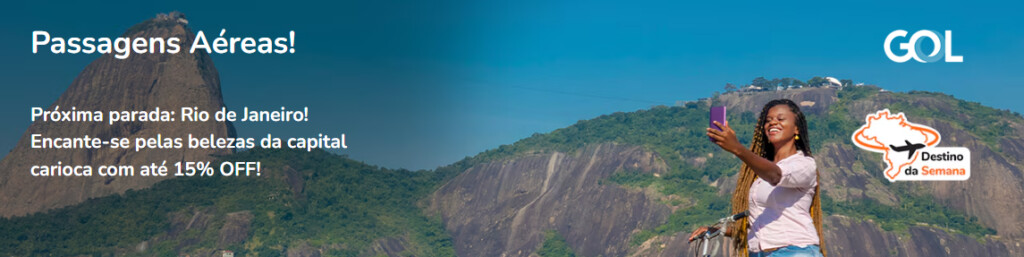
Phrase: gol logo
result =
(909, 149)
(913, 47)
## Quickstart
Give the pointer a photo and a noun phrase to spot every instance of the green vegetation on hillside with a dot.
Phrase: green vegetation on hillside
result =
(676, 134)
(987, 123)
(347, 206)
(344, 207)
(913, 209)
(554, 246)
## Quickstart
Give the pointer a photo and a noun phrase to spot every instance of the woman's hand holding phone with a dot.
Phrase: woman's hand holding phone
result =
(725, 138)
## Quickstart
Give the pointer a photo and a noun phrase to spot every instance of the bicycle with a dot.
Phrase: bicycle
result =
(712, 232)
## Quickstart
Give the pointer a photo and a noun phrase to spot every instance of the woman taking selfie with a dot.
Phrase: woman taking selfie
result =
(777, 184)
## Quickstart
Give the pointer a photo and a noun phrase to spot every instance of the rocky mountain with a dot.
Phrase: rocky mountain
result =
(488, 207)
(141, 82)
(995, 144)
(622, 184)
(503, 208)
(304, 204)
(811, 100)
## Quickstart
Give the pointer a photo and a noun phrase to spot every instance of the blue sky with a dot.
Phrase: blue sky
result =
(419, 84)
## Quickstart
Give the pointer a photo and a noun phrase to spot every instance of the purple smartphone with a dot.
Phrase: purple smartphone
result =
(717, 114)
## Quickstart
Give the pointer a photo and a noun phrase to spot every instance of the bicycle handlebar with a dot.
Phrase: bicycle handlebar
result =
(714, 231)
(736, 216)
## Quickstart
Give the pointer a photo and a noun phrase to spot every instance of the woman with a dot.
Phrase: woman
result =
(778, 185)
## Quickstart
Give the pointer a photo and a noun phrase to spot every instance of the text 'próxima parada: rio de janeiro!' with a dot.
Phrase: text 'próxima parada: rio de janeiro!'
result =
(186, 114)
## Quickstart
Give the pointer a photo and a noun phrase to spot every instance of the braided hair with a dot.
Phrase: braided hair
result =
(762, 147)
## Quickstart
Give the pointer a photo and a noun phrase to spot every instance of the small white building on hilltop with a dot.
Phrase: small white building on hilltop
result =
(750, 88)
(833, 82)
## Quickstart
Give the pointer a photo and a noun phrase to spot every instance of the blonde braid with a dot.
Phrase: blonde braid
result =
(740, 195)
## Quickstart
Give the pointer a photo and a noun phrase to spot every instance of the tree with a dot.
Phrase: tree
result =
(760, 82)
(799, 82)
(816, 81)
(846, 82)
(729, 87)
(786, 82)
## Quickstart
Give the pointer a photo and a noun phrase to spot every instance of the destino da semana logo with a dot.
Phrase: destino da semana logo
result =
(909, 149)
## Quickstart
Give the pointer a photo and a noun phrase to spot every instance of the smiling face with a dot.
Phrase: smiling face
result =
(780, 125)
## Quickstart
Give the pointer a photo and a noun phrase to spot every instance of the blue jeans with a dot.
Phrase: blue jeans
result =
(791, 251)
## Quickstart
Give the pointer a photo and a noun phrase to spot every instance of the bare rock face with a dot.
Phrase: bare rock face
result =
(195, 226)
(993, 193)
(141, 82)
(811, 100)
(995, 189)
(235, 229)
(503, 208)
(852, 237)
(388, 246)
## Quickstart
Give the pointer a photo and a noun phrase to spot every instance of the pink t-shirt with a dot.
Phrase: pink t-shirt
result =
(780, 215)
